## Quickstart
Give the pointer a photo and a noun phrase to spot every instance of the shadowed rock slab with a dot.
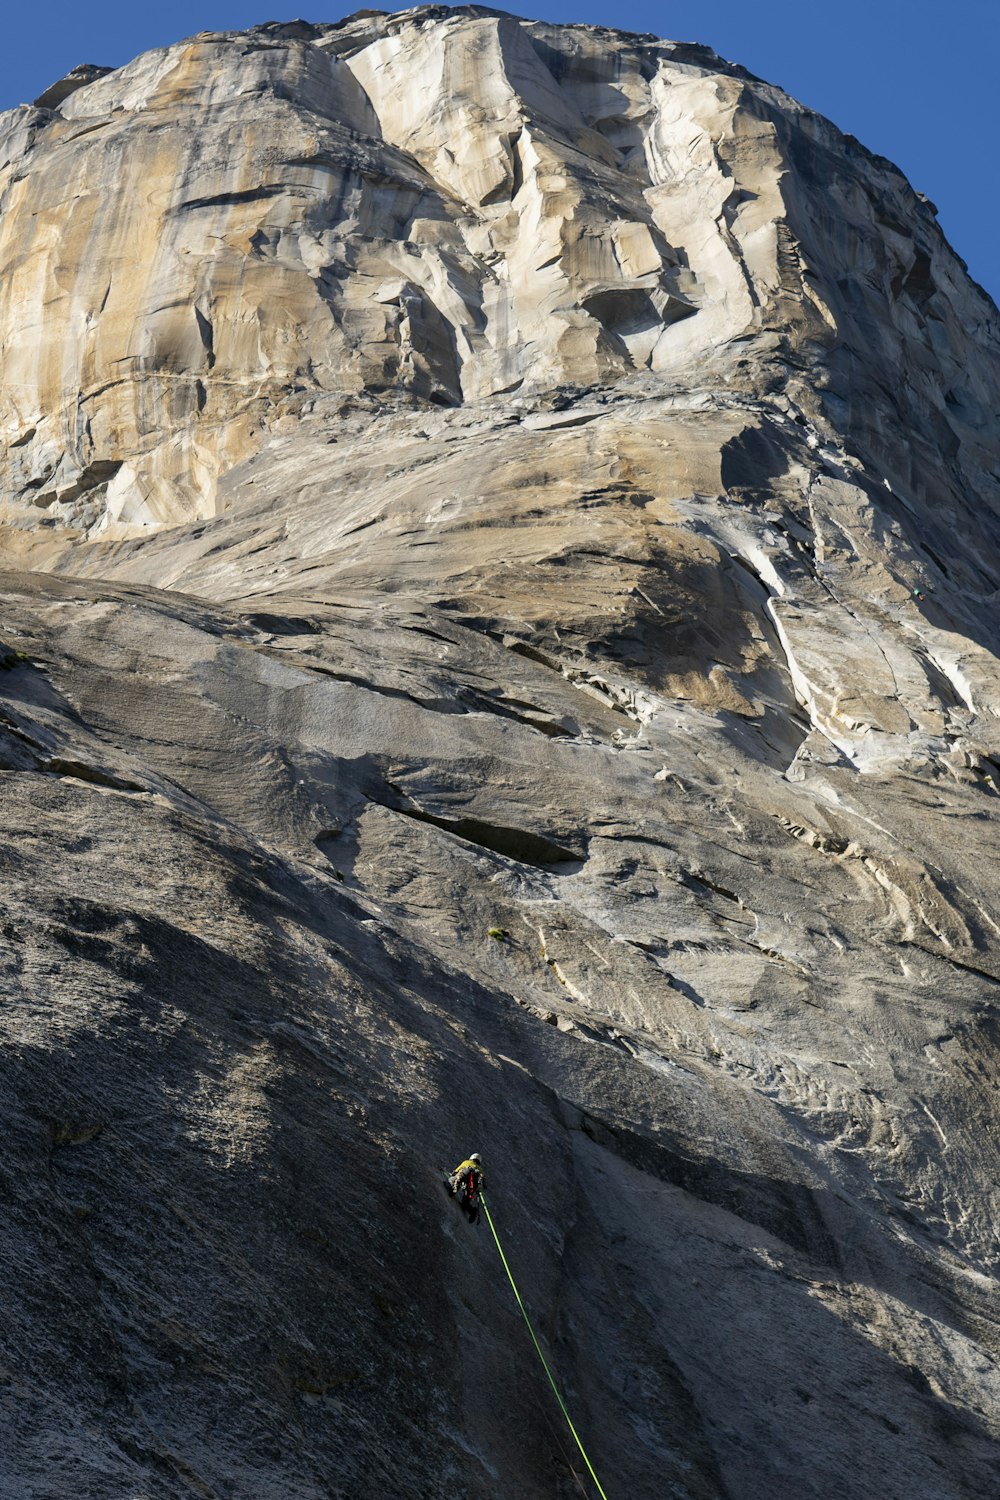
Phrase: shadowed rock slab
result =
(498, 652)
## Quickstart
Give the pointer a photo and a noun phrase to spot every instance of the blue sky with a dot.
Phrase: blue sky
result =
(914, 81)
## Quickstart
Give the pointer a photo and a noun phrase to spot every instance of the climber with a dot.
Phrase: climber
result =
(467, 1183)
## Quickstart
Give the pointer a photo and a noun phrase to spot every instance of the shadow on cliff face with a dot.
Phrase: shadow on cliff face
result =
(774, 1357)
(236, 1263)
(232, 1087)
(750, 463)
(901, 302)
(203, 1165)
(913, 530)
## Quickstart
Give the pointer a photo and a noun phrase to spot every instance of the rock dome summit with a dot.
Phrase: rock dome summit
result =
(499, 651)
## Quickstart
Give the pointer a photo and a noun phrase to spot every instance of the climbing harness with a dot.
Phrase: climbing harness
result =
(538, 1347)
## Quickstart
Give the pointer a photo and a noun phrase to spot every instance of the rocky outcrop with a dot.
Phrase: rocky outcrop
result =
(499, 651)
(200, 246)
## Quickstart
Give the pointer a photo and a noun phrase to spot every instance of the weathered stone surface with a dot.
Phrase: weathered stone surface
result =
(196, 246)
(463, 473)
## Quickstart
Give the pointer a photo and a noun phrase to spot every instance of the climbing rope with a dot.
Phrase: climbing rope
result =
(538, 1350)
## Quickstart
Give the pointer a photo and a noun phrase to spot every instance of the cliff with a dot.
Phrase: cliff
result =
(464, 474)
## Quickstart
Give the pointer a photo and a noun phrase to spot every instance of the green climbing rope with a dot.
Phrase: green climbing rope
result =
(538, 1350)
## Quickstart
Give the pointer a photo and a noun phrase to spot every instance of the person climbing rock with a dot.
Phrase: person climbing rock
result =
(466, 1184)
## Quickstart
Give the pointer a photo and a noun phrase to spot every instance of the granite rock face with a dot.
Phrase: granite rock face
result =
(498, 651)
(199, 246)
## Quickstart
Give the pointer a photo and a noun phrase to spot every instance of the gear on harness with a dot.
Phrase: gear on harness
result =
(466, 1184)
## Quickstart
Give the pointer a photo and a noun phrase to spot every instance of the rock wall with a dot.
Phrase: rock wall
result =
(499, 651)
(197, 247)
